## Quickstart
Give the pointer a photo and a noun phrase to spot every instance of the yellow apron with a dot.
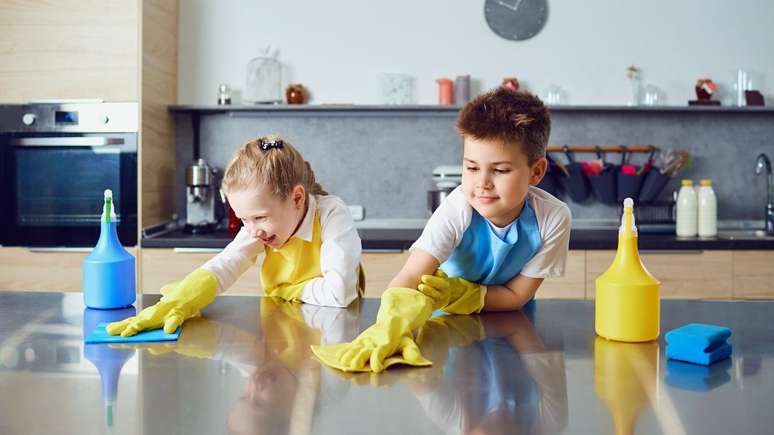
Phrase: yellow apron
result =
(286, 270)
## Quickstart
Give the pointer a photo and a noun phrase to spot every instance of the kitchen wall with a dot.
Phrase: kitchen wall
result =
(338, 49)
(383, 160)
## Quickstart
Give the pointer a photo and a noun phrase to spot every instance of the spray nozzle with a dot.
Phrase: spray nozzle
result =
(108, 211)
(627, 219)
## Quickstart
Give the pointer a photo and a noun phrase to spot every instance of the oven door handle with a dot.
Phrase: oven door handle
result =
(90, 141)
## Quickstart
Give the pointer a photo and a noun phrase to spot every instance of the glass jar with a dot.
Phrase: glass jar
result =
(264, 81)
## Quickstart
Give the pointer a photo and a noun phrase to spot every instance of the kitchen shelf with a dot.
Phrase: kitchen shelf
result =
(431, 109)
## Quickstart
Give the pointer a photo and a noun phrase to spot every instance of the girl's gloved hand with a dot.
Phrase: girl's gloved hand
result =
(177, 305)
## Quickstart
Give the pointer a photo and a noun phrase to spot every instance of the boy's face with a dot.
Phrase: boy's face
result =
(265, 216)
(496, 177)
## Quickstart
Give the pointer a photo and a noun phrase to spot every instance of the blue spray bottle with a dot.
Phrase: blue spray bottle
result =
(108, 272)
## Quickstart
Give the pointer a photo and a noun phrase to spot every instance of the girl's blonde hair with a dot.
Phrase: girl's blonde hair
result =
(273, 162)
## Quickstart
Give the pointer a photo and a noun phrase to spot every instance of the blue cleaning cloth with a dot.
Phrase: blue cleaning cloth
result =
(698, 343)
(100, 335)
(693, 377)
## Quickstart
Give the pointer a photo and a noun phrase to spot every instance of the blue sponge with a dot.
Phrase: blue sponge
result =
(698, 343)
(100, 335)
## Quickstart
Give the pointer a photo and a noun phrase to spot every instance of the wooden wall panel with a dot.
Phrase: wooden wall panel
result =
(69, 49)
(159, 90)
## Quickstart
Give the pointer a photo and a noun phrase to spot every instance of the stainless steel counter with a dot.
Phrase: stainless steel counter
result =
(246, 368)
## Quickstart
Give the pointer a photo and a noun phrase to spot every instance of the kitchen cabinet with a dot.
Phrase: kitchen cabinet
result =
(753, 274)
(69, 49)
(162, 266)
(380, 268)
(683, 274)
(572, 285)
(42, 270)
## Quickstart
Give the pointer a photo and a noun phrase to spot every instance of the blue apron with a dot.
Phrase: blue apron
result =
(485, 258)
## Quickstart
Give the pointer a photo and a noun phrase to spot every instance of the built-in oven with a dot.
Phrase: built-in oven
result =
(56, 162)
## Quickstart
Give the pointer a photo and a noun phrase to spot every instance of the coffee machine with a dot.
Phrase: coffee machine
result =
(202, 205)
(446, 178)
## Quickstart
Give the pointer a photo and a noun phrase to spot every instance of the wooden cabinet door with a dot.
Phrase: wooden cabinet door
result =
(54, 270)
(161, 266)
(683, 274)
(753, 274)
(380, 268)
(69, 49)
(572, 285)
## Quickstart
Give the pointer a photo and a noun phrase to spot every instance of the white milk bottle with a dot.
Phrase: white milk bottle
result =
(687, 210)
(708, 209)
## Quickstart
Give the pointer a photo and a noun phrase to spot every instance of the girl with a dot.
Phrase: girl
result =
(303, 239)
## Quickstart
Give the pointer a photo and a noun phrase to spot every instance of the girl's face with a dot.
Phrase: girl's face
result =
(495, 179)
(267, 217)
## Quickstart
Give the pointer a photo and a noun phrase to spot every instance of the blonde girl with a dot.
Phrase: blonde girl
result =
(303, 240)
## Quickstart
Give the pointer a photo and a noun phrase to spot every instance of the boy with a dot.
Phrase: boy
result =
(495, 238)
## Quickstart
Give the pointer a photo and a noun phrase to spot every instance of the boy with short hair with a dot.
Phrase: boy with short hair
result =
(488, 246)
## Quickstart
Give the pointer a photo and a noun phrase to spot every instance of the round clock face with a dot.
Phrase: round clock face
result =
(516, 20)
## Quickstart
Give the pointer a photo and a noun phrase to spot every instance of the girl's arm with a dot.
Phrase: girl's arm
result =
(235, 259)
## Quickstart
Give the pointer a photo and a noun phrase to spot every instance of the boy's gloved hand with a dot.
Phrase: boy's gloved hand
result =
(177, 305)
(389, 341)
(453, 295)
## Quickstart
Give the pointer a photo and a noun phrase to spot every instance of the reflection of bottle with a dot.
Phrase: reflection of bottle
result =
(625, 378)
(108, 272)
(107, 360)
(627, 295)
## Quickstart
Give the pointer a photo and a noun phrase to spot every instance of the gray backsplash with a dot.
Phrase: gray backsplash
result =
(383, 160)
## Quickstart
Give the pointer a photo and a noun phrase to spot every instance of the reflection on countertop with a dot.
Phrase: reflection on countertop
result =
(246, 367)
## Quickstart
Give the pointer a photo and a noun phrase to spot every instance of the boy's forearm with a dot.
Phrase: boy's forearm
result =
(511, 296)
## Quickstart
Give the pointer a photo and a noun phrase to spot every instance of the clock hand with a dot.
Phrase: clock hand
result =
(506, 5)
(516, 6)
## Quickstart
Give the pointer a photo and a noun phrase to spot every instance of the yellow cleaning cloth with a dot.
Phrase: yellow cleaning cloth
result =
(389, 341)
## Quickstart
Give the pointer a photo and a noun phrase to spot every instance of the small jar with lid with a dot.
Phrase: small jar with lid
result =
(224, 94)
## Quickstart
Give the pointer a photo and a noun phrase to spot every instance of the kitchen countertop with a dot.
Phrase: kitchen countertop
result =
(246, 366)
(399, 234)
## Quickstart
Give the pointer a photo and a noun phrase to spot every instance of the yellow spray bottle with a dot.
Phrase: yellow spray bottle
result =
(627, 295)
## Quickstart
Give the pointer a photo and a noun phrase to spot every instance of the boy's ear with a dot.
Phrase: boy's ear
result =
(538, 169)
(299, 196)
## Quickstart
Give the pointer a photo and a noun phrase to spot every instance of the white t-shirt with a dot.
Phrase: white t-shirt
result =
(445, 228)
(339, 254)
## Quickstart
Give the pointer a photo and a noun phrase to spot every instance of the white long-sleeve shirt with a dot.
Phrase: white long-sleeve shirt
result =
(339, 254)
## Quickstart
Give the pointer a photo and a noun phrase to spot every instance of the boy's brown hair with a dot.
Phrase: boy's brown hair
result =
(510, 117)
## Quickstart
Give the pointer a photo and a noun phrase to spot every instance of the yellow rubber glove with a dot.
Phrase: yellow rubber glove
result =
(389, 341)
(177, 305)
(453, 295)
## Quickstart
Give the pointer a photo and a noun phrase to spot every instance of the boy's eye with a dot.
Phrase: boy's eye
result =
(471, 168)
(502, 171)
